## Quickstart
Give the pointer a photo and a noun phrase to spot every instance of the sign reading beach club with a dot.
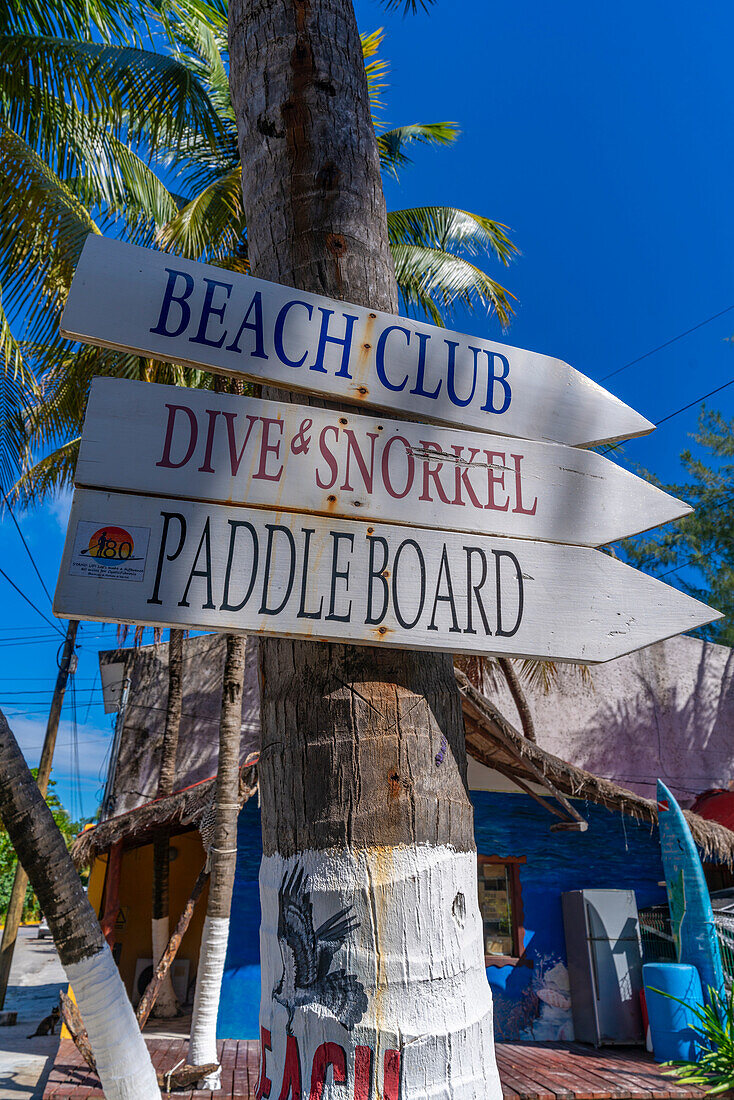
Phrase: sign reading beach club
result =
(259, 571)
(136, 299)
(199, 445)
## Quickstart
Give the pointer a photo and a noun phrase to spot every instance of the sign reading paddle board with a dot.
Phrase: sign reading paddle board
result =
(136, 299)
(187, 564)
(198, 445)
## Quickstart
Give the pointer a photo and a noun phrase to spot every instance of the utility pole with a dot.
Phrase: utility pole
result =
(20, 882)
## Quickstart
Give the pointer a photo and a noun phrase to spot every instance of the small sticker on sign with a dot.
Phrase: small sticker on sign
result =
(110, 551)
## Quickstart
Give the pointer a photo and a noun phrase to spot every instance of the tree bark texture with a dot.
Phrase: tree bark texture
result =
(519, 697)
(123, 1061)
(14, 913)
(166, 1005)
(222, 864)
(369, 867)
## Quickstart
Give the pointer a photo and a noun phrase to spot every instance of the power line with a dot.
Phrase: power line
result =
(27, 548)
(667, 343)
(684, 408)
(31, 603)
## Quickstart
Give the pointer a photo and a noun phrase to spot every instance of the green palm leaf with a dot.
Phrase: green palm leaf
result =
(48, 476)
(42, 230)
(391, 143)
(447, 228)
(135, 93)
(435, 281)
(112, 20)
(212, 224)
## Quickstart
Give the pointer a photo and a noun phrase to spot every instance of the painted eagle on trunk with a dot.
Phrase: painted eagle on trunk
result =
(307, 955)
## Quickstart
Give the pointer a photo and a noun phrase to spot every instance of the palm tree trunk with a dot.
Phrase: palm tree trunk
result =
(123, 1062)
(222, 863)
(519, 697)
(363, 763)
(166, 1005)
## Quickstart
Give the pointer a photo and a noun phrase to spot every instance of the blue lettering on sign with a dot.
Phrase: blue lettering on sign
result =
(180, 299)
(278, 333)
(501, 379)
(345, 342)
(210, 310)
(423, 338)
(380, 357)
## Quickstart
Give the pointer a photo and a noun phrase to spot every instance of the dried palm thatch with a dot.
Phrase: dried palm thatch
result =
(493, 741)
(184, 808)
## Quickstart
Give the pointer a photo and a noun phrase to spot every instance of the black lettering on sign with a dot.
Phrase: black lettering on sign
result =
(448, 598)
(473, 591)
(167, 517)
(339, 574)
(499, 554)
(205, 545)
(271, 529)
(395, 583)
(235, 525)
(302, 612)
(375, 573)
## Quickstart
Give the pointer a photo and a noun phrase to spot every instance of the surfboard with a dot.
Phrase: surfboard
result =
(691, 915)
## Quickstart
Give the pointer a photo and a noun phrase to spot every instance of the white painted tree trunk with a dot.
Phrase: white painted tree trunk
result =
(166, 1005)
(123, 1061)
(426, 1031)
(203, 1045)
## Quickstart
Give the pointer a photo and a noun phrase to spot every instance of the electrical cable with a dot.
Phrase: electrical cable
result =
(27, 548)
(622, 442)
(667, 343)
(31, 603)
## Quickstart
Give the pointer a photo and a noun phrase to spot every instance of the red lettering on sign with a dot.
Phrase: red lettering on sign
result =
(517, 459)
(386, 467)
(391, 1078)
(328, 456)
(206, 466)
(234, 457)
(291, 1086)
(496, 458)
(353, 448)
(362, 1073)
(267, 448)
(328, 1054)
(432, 473)
(193, 435)
(462, 476)
(264, 1085)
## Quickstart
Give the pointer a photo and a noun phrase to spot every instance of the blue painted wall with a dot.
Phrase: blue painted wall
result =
(532, 1003)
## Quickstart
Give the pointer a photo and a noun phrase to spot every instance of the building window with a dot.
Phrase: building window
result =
(500, 903)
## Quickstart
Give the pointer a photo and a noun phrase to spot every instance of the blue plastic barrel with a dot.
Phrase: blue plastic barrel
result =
(672, 1024)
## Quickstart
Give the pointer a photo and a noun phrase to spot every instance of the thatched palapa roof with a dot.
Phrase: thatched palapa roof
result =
(494, 742)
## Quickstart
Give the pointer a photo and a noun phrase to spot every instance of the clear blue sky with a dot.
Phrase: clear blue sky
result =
(603, 135)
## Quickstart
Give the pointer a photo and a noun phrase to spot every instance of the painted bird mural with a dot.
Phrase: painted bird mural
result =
(307, 955)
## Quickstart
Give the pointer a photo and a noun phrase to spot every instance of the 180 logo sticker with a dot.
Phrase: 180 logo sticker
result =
(107, 550)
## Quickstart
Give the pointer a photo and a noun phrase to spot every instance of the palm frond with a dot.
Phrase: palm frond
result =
(410, 7)
(17, 387)
(376, 69)
(120, 181)
(435, 281)
(447, 228)
(42, 231)
(110, 20)
(48, 476)
(211, 224)
(132, 92)
(391, 143)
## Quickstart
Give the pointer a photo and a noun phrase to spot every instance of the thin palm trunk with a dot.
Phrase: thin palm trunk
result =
(222, 863)
(166, 1004)
(365, 810)
(519, 697)
(123, 1061)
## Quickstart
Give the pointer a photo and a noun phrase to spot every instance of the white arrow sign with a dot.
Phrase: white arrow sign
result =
(180, 563)
(195, 444)
(173, 309)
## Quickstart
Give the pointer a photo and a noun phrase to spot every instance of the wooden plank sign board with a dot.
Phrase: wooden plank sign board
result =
(195, 444)
(144, 301)
(188, 564)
